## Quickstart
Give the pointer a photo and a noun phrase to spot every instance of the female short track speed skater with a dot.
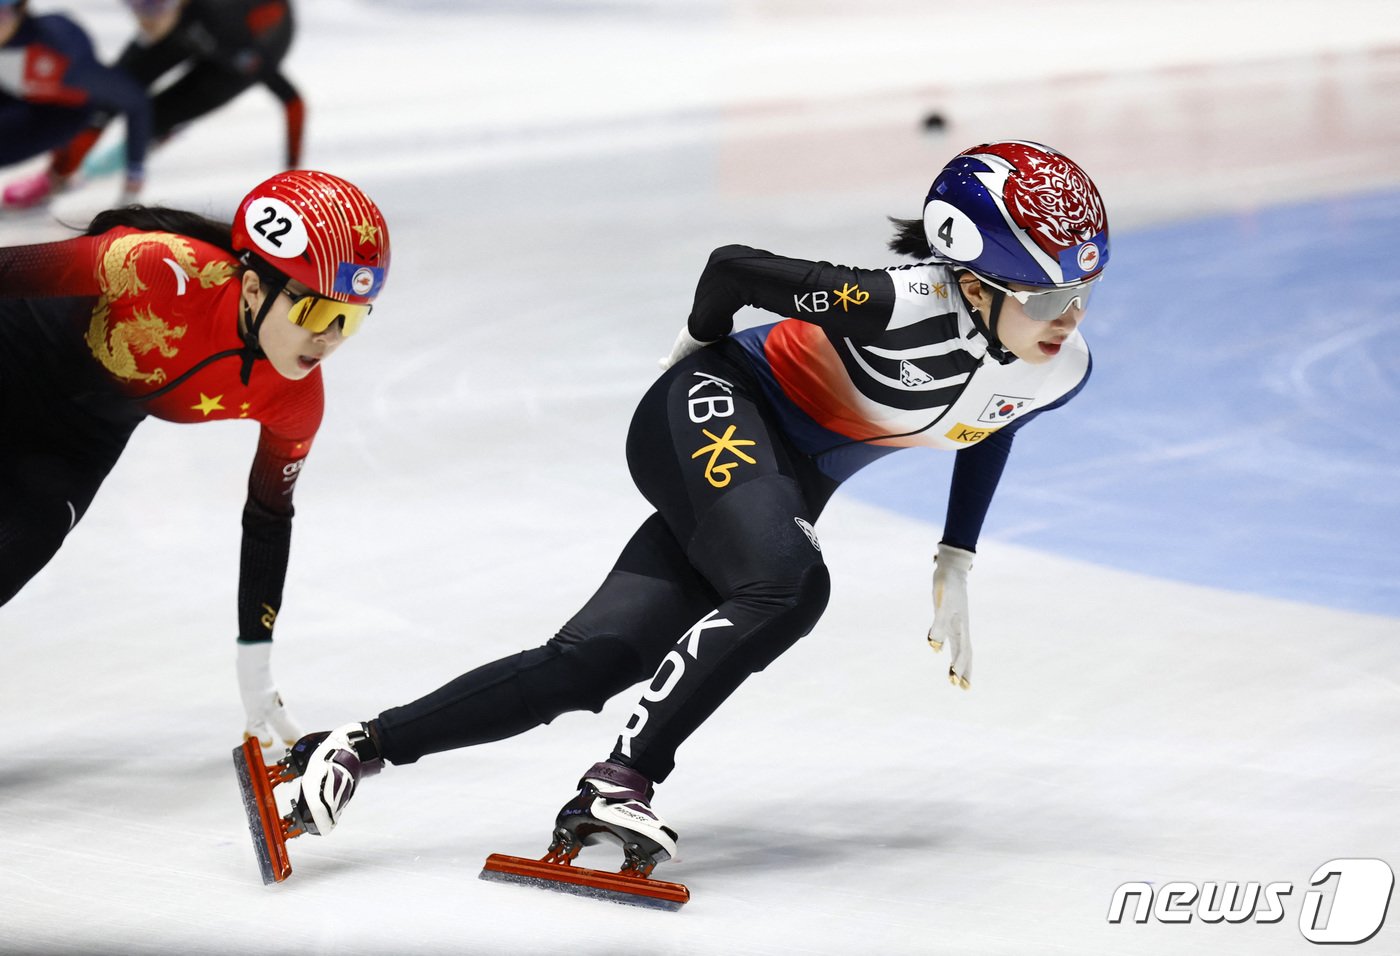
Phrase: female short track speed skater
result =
(52, 86)
(158, 312)
(215, 49)
(740, 444)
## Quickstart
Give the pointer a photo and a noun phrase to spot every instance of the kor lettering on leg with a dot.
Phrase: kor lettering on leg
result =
(713, 406)
(667, 676)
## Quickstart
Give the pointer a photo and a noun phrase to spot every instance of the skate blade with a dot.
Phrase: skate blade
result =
(580, 881)
(264, 822)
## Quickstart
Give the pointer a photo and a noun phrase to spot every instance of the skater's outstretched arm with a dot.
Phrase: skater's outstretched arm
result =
(67, 268)
(113, 92)
(262, 569)
(851, 302)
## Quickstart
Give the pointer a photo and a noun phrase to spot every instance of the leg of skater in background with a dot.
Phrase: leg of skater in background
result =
(56, 89)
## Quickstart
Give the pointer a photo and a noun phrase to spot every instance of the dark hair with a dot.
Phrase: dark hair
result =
(909, 238)
(162, 219)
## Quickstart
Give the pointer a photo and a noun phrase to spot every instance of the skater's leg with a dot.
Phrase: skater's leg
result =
(294, 110)
(28, 130)
(615, 641)
(705, 450)
(32, 528)
(43, 494)
(42, 498)
(774, 586)
(198, 93)
(53, 457)
(145, 64)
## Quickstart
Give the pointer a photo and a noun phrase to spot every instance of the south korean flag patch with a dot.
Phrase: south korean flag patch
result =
(1002, 408)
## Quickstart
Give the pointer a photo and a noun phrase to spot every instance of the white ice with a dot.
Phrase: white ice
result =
(555, 174)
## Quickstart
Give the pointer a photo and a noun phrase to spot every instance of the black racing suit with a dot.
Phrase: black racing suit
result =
(738, 447)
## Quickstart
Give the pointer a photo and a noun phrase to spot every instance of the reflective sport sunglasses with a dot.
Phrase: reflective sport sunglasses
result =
(316, 313)
(1045, 305)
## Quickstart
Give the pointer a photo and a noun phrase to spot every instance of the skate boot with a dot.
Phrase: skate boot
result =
(32, 191)
(614, 805)
(330, 765)
(325, 768)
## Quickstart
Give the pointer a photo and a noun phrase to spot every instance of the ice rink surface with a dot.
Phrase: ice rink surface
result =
(1185, 604)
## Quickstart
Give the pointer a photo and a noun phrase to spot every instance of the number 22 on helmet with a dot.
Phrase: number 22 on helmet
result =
(325, 234)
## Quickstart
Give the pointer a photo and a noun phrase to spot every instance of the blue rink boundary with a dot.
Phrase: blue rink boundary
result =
(1242, 425)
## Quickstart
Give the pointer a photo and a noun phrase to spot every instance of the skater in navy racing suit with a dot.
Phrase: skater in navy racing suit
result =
(52, 86)
(739, 445)
(192, 57)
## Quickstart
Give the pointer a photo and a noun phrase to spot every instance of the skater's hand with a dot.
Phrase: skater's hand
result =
(267, 717)
(685, 345)
(275, 728)
(950, 625)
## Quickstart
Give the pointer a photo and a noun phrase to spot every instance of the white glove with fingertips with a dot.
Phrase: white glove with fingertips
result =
(685, 345)
(267, 717)
(950, 623)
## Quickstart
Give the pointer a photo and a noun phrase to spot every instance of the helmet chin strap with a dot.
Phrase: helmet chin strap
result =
(251, 325)
(989, 328)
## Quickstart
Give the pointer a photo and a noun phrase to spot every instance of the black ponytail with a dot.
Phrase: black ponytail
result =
(909, 238)
(162, 219)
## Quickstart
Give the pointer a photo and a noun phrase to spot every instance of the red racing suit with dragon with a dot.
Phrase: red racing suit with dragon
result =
(98, 332)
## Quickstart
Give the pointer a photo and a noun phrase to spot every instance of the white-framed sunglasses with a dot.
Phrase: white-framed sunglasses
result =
(1045, 305)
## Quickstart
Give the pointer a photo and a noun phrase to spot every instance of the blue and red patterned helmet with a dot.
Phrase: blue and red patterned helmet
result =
(1019, 212)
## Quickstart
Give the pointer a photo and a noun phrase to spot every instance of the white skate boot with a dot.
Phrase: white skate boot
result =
(331, 765)
(614, 804)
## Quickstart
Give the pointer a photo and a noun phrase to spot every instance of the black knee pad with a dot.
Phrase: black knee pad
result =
(794, 611)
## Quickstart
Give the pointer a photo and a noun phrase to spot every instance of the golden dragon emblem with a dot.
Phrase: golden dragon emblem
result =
(118, 346)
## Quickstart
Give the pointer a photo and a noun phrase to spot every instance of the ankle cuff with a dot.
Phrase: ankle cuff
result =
(621, 777)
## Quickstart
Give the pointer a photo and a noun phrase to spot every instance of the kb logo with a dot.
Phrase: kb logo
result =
(1360, 896)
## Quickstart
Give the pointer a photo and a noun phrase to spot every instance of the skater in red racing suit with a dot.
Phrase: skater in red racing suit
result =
(157, 312)
(738, 447)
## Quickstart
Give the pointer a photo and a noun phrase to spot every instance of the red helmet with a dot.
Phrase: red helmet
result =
(319, 230)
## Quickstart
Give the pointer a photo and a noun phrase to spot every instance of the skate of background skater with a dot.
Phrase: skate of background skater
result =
(52, 87)
(739, 445)
(223, 47)
(164, 313)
